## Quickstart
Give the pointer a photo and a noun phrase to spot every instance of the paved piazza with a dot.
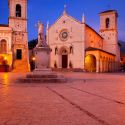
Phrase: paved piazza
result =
(87, 99)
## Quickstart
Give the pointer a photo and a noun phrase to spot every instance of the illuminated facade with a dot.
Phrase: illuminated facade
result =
(14, 39)
(75, 45)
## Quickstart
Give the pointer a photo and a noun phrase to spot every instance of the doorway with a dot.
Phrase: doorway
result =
(64, 61)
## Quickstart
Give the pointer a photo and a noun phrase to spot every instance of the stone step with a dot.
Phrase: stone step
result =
(62, 69)
(42, 80)
(44, 76)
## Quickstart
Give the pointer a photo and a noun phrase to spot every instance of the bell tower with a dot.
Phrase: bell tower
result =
(18, 23)
(109, 31)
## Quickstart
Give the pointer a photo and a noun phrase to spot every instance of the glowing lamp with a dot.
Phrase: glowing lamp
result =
(33, 58)
(5, 58)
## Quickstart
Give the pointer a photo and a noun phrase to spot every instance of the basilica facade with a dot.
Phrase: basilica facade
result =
(75, 45)
(14, 39)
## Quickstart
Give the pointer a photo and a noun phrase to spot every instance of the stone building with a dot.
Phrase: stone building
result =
(75, 45)
(14, 39)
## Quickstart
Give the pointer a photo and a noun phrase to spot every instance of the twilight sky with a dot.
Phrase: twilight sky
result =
(50, 10)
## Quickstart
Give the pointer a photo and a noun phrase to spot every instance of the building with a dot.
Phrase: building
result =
(122, 55)
(75, 45)
(14, 39)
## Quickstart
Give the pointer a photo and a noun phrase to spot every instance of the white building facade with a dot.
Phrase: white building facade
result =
(75, 45)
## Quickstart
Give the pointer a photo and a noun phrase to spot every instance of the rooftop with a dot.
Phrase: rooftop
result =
(107, 11)
(95, 49)
(4, 25)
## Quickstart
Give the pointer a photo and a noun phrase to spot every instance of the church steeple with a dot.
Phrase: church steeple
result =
(47, 26)
(65, 9)
(83, 18)
(18, 9)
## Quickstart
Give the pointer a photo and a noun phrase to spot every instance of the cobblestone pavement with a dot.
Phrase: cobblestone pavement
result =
(87, 99)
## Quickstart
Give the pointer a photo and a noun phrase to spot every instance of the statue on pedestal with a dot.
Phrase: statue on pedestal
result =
(42, 51)
(41, 37)
(43, 72)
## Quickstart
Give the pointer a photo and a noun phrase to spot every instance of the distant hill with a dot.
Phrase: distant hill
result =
(122, 47)
(32, 43)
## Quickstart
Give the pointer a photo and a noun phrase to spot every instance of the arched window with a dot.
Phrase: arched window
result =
(3, 46)
(64, 52)
(107, 22)
(18, 10)
(71, 49)
(56, 50)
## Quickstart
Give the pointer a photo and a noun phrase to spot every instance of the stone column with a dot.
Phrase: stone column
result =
(104, 65)
(97, 65)
(101, 65)
(107, 65)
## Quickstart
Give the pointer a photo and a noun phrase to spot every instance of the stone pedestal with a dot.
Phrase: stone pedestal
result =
(43, 72)
(42, 63)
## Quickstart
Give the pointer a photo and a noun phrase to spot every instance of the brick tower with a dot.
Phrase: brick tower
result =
(18, 23)
(109, 31)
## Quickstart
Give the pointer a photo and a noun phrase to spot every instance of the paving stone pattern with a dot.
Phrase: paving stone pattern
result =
(87, 99)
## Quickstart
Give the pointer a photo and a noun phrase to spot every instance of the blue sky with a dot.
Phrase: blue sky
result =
(50, 10)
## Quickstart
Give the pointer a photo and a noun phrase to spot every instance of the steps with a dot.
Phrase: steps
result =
(43, 78)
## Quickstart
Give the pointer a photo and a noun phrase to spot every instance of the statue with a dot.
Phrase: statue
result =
(42, 51)
(41, 37)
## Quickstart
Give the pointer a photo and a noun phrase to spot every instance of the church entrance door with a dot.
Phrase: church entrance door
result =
(64, 61)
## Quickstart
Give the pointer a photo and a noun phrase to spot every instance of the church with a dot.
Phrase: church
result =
(74, 44)
(77, 46)
(14, 39)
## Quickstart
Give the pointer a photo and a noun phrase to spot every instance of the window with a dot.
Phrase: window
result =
(3, 46)
(19, 54)
(71, 49)
(64, 52)
(56, 50)
(107, 22)
(64, 35)
(18, 10)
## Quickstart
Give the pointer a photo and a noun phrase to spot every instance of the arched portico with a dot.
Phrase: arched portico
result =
(104, 60)
(90, 63)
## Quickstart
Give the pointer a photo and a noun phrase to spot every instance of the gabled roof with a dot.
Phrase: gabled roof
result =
(4, 25)
(75, 21)
(67, 16)
(95, 49)
(94, 31)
